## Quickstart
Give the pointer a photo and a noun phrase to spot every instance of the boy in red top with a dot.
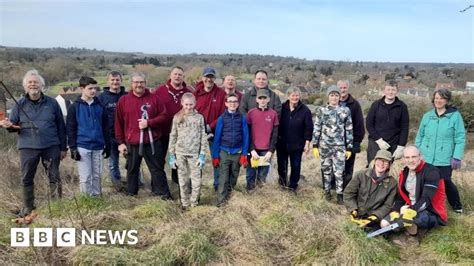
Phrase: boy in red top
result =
(263, 127)
(141, 114)
(170, 95)
(210, 102)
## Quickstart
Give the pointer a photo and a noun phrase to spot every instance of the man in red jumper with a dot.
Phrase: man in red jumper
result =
(421, 196)
(140, 114)
(170, 95)
(210, 101)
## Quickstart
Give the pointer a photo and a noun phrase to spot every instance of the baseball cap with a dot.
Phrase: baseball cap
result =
(209, 71)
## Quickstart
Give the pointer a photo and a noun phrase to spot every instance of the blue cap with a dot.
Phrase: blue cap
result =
(209, 71)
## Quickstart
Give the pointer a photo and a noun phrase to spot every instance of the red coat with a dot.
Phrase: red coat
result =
(129, 111)
(430, 191)
(210, 104)
(171, 98)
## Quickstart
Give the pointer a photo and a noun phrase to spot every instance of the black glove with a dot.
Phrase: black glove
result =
(374, 220)
(75, 155)
(356, 147)
(106, 153)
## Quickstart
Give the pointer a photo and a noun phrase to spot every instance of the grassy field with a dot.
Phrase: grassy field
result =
(270, 226)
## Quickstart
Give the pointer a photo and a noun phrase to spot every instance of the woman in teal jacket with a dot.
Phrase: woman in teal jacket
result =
(441, 138)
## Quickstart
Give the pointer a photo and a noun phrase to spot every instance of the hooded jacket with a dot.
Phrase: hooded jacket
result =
(129, 110)
(249, 101)
(47, 117)
(109, 100)
(295, 128)
(87, 126)
(389, 122)
(429, 192)
(171, 98)
(368, 197)
(210, 104)
(441, 138)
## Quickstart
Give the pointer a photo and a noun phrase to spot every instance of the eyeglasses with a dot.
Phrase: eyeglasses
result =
(138, 82)
(262, 97)
(232, 101)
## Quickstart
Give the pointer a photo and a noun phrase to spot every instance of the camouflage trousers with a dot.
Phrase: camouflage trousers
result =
(189, 177)
(332, 163)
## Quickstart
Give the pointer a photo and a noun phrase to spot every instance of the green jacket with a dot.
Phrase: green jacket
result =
(441, 138)
(369, 198)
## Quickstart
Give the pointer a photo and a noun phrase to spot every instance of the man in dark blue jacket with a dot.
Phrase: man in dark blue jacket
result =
(109, 98)
(357, 127)
(39, 122)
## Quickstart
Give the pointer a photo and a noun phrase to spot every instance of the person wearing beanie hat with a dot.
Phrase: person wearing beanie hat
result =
(370, 194)
(332, 140)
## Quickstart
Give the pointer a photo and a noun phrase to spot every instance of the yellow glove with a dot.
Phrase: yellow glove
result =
(254, 163)
(394, 215)
(316, 153)
(348, 155)
(354, 214)
(408, 214)
(360, 222)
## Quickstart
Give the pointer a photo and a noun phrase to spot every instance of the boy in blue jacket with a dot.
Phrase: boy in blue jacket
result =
(88, 137)
(230, 147)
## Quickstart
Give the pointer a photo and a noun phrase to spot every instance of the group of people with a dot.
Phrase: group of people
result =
(245, 130)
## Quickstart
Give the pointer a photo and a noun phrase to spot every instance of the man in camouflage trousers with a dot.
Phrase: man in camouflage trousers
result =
(332, 140)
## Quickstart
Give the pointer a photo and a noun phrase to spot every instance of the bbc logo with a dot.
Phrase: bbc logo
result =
(43, 237)
(66, 237)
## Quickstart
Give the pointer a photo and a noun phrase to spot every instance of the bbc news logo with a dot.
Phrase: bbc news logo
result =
(66, 237)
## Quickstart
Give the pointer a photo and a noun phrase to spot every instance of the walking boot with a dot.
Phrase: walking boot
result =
(55, 190)
(28, 201)
(327, 195)
(340, 199)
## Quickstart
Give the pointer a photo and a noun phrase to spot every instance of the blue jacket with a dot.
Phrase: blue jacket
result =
(47, 128)
(87, 125)
(109, 100)
(232, 134)
(296, 127)
(441, 138)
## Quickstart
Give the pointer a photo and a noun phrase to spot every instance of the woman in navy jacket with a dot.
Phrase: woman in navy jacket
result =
(294, 136)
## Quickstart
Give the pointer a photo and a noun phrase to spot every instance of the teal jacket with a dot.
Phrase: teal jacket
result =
(441, 138)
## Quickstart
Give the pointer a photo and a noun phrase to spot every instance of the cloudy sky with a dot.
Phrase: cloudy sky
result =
(359, 30)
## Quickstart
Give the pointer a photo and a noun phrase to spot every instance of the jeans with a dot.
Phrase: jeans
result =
(452, 193)
(165, 139)
(216, 170)
(295, 164)
(90, 171)
(114, 162)
(29, 159)
(256, 175)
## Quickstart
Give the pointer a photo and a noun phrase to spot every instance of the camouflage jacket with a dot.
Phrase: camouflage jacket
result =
(333, 127)
(189, 136)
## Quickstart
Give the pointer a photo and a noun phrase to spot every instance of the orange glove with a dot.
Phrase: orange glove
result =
(243, 161)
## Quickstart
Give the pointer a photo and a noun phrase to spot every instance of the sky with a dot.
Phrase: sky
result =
(360, 30)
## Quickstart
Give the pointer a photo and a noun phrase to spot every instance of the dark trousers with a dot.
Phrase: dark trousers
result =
(29, 159)
(165, 139)
(295, 164)
(155, 163)
(451, 190)
(229, 172)
(348, 170)
(373, 148)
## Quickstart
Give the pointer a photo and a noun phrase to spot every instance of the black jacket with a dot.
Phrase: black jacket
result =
(295, 127)
(388, 121)
(109, 100)
(358, 129)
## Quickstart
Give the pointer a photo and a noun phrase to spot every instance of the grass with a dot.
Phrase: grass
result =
(270, 226)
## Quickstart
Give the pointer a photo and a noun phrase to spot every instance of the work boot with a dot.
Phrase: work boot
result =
(55, 190)
(28, 201)
(340, 199)
(327, 195)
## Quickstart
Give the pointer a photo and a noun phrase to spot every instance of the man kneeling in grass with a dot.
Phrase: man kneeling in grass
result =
(421, 198)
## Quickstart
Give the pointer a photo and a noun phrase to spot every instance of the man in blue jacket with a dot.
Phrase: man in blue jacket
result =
(39, 122)
(109, 98)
